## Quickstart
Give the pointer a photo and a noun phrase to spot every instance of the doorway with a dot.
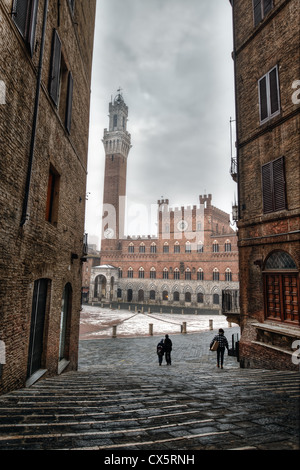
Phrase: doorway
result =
(36, 339)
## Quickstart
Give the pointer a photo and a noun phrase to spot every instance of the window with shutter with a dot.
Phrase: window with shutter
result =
(269, 102)
(69, 103)
(273, 186)
(24, 14)
(54, 79)
(260, 9)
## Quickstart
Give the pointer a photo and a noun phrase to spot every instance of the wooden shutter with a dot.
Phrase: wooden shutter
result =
(267, 185)
(274, 98)
(54, 79)
(257, 11)
(268, 5)
(19, 14)
(32, 25)
(69, 103)
(279, 184)
(263, 100)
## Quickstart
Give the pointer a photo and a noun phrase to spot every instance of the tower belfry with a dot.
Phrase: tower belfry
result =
(117, 143)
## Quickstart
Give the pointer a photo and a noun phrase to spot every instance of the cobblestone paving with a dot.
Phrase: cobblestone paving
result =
(121, 400)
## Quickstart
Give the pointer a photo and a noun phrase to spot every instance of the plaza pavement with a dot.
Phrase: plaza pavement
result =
(120, 400)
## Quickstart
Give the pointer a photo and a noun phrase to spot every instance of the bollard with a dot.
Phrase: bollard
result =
(211, 324)
(149, 310)
(229, 324)
(195, 312)
(161, 310)
(135, 309)
(142, 309)
(151, 329)
(184, 328)
(110, 306)
(171, 310)
(182, 311)
(119, 307)
(114, 331)
(129, 308)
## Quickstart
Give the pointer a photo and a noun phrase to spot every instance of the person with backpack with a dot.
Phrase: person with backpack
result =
(160, 349)
(222, 344)
(168, 349)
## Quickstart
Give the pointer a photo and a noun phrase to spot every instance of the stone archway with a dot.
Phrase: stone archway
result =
(100, 287)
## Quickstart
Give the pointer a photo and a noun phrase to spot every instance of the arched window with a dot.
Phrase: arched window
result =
(199, 247)
(176, 247)
(281, 288)
(153, 248)
(176, 296)
(200, 298)
(120, 271)
(188, 297)
(200, 274)
(166, 247)
(228, 275)
(188, 274)
(215, 247)
(119, 293)
(142, 248)
(176, 273)
(152, 273)
(188, 247)
(130, 273)
(227, 246)
(165, 273)
(165, 295)
(141, 273)
(216, 299)
(152, 295)
(216, 275)
(131, 248)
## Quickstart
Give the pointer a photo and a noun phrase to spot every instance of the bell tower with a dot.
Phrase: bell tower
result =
(117, 143)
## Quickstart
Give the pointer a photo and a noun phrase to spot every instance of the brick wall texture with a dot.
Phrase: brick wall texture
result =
(42, 249)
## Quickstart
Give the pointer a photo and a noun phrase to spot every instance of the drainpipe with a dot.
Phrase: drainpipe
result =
(25, 216)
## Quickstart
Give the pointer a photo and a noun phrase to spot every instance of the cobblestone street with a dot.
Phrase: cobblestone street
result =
(121, 400)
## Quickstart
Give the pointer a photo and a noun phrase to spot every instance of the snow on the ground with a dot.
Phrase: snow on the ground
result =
(96, 322)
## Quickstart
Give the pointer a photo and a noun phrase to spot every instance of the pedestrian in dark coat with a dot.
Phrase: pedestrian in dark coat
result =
(223, 343)
(168, 349)
(160, 349)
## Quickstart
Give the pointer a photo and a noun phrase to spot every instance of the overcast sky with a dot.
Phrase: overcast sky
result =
(172, 59)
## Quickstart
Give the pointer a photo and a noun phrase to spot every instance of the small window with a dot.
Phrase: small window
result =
(269, 102)
(216, 275)
(24, 15)
(130, 273)
(153, 248)
(176, 273)
(131, 248)
(216, 247)
(115, 120)
(165, 273)
(176, 248)
(141, 273)
(200, 274)
(52, 196)
(273, 186)
(142, 248)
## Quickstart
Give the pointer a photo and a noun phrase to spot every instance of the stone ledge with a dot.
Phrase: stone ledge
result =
(292, 331)
(35, 377)
(270, 346)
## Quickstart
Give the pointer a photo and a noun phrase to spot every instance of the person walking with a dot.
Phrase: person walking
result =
(223, 343)
(160, 349)
(168, 349)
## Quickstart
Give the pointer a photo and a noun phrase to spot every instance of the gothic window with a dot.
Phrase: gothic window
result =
(152, 295)
(165, 295)
(273, 186)
(269, 101)
(200, 274)
(115, 120)
(152, 273)
(153, 248)
(200, 298)
(120, 273)
(131, 248)
(142, 248)
(165, 273)
(188, 247)
(227, 246)
(188, 297)
(216, 276)
(215, 247)
(24, 15)
(176, 296)
(216, 299)
(141, 273)
(228, 275)
(176, 248)
(166, 248)
(176, 273)
(199, 247)
(260, 9)
(188, 274)
(130, 273)
(281, 288)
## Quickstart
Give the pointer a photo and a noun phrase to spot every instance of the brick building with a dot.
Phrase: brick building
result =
(45, 74)
(266, 58)
(190, 262)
